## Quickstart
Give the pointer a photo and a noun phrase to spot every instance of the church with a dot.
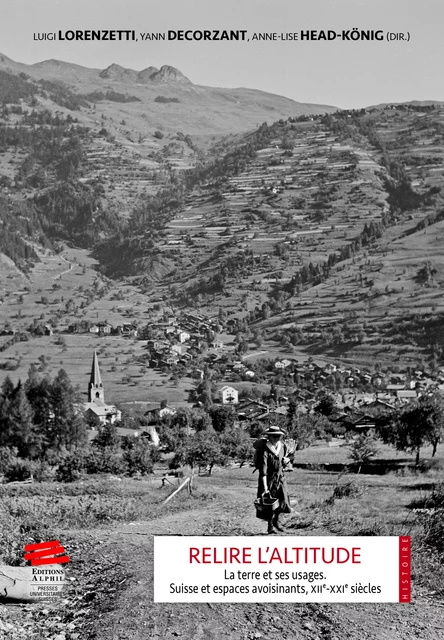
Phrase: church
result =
(96, 405)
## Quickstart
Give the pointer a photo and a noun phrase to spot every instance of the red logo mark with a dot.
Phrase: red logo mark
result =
(50, 552)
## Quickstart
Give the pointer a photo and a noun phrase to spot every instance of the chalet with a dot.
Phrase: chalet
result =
(273, 415)
(177, 348)
(94, 329)
(330, 368)
(229, 395)
(105, 328)
(169, 330)
(128, 330)
(160, 412)
(151, 433)
(348, 398)
(157, 345)
(170, 359)
(359, 423)
(251, 409)
(394, 388)
(48, 330)
(183, 336)
(384, 405)
(217, 344)
(406, 395)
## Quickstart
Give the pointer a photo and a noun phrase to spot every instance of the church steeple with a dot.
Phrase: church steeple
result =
(95, 388)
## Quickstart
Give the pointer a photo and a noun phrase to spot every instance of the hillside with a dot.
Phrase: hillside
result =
(116, 135)
(319, 234)
(325, 233)
(164, 99)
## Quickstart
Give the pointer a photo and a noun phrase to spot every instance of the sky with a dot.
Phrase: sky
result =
(347, 74)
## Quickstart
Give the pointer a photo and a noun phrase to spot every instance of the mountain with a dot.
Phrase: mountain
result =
(193, 109)
(322, 233)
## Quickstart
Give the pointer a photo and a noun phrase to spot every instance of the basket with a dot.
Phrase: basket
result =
(265, 507)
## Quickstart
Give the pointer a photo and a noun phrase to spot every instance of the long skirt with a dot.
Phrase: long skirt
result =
(277, 487)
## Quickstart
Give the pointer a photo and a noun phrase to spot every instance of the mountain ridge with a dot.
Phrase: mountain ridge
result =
(169, 78)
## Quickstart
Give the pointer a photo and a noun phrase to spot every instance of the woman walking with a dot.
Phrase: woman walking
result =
(271, 459)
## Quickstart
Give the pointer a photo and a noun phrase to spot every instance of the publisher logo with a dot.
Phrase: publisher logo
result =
(50, 552)
(43, 580)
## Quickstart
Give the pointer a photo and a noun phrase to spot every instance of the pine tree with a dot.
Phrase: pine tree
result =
(7, 390)
(20, 428)
(66, 431)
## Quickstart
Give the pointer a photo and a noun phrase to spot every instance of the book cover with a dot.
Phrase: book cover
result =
(220, 222)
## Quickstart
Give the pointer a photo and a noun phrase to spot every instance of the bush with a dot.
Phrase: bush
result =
(434, 464)
(8, 456)
(165, 100)
(138, 458)
(433, 530)
(435, 499)
(19, 470)
(363, 449)
(347, 490)
(43, 472)
(71, 468)
(105, 461)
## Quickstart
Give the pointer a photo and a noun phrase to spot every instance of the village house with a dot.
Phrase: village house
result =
(330, 368)
(177, 348)
(273, 415)
(406, 395)
(105, 328)
(251, 409)
(169, 359)
(48, 330)
(128, 330)
(229, 395)
(359, 423)
(394, 388)
(158, 345)
(153, 415)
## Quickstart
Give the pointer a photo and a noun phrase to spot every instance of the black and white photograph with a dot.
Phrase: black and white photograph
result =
(222, 320)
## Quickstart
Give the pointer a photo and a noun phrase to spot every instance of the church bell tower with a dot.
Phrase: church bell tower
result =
(96, 392)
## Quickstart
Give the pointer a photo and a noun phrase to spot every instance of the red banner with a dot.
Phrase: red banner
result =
(404, 568)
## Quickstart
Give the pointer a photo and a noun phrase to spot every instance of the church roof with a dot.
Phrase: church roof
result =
(102, 409)
(95, 378)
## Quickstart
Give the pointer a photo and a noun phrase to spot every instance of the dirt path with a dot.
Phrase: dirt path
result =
(133, 615)
(59, 276)
(110, 593)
